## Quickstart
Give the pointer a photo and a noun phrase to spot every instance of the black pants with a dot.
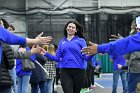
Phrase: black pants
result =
(89, 77)
(57, 75)
(72, 79)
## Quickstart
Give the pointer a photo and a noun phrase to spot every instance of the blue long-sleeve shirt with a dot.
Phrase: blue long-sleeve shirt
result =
(10, 38)
(118, 60)
(70, 53)
(122, 46)
(7, 37)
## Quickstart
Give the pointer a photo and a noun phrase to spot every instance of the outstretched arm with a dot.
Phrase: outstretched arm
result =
(10, 38)
(119, 47)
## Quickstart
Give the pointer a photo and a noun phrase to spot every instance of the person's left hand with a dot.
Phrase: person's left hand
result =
(90, 50)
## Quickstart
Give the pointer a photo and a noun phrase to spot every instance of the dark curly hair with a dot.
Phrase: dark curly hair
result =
(79, 28)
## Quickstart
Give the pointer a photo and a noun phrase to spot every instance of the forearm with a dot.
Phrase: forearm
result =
(52, 57)
(121, 47)
(31, 41)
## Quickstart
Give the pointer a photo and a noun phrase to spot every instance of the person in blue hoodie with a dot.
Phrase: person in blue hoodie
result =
(23, 76)
(72, 60)
(119, 47)
(119, 60)
(9, 38)
(133, 64)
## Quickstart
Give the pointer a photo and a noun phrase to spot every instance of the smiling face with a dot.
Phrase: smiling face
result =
(71, 29)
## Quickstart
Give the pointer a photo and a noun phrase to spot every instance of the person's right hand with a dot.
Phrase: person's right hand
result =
(43, 40)
(91, 49)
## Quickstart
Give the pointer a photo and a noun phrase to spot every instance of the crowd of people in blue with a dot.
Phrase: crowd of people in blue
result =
(75, 60)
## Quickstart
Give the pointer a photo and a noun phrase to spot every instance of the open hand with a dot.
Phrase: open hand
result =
(43, 40)
(90, 50)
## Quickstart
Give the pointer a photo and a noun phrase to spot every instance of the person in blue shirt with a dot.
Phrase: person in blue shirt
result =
(72, 60)
(9, 38)
(119, 60)
(23, 76)
(133, 64)
(120, 47)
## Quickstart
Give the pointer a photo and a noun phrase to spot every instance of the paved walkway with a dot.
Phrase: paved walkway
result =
(103, 85)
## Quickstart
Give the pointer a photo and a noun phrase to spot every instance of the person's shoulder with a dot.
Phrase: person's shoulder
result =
(81, 39)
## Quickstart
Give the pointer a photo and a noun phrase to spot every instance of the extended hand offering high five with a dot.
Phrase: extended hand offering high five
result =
(90, 50)
(43, 40)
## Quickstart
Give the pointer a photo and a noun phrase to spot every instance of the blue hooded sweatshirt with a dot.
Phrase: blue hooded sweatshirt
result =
(70, 53)
(9, 38)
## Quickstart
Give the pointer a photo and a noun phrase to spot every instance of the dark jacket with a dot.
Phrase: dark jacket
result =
(38, 74)
(134, 62)
(7, 63)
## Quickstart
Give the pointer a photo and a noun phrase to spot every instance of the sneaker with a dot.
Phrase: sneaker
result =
(100, 75)
(85, 90)
(82, 91)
